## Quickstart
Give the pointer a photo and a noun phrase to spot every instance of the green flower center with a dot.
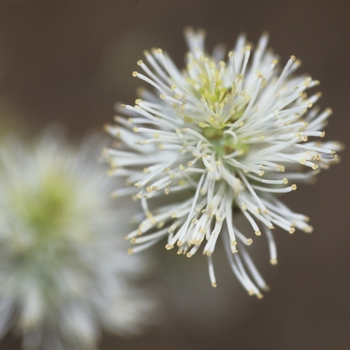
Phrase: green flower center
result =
(224, 144)
(209, 88)
(46, 209)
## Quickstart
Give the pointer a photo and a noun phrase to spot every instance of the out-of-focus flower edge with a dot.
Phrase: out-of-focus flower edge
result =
(65, 275)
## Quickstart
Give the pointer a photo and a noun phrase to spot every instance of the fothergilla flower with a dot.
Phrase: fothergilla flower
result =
(219, 136)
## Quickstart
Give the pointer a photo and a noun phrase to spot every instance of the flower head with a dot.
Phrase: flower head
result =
(221, 134)
(64, 274)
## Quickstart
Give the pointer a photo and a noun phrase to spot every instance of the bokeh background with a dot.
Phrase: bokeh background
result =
(69, 61)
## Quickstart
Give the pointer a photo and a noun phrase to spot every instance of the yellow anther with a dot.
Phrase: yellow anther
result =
(273, 261)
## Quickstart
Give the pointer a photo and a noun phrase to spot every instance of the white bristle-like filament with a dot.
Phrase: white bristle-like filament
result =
(211, 271)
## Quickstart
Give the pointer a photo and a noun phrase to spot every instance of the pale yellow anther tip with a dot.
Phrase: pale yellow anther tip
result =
(258, 233)
(130, 251)
(106, 127)
(169, 246)
(329, 111)
(135, 73)
(293, 187)
(308, 229)
(214, 285)
(273, 261)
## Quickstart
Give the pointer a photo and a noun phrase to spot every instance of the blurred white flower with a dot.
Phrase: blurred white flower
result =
(217, 136)
(64, 273)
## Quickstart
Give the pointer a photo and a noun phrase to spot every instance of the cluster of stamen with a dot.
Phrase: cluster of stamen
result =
(220, 135)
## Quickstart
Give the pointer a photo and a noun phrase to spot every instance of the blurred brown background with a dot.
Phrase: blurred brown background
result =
(69, 61)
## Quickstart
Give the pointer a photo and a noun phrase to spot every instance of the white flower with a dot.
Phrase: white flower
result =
(64, 274)
(217, 136)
